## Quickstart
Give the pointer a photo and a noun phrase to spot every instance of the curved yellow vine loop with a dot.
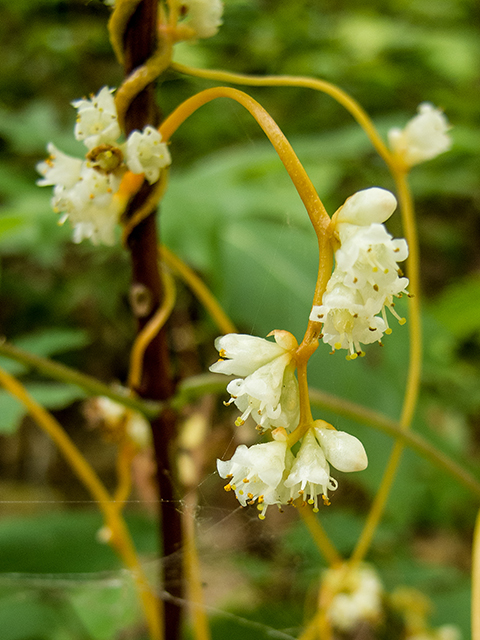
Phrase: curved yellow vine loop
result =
(129, 189)
(122, 12)
(399, 172)
(199, 288)
(330, 89)
(314, 206)
(120, 537)
(414, 370)
(149, 332)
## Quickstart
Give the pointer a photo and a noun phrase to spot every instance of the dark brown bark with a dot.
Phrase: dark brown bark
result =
(147, 294)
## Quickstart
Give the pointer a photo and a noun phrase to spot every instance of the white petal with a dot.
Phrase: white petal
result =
(367, 206)
(342, 450)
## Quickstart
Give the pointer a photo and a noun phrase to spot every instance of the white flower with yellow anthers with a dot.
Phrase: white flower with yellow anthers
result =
(268, 389)
(146, 153)
(203, 16)
(90, 206)
(84, 190)
(310, 473)
(424, 137)
(97, 121)
(59, 169)
(348, 321)
(256, 473)
(323, 445)
(366, 275)
(356, 597)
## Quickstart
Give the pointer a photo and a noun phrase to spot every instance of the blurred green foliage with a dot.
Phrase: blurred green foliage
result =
(232, 214)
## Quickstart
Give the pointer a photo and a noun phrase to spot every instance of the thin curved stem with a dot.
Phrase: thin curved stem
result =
(330, 89)
(318, 215)
(414, 369)
(120, 539)
(201, 630)
(320, 537)
(149, 331)
(89, 384)
(123, 11)
(314, 206)
(199, 288)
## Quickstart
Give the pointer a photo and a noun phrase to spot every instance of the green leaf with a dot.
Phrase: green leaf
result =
(49, 342)
(51, 395)
(458, 308)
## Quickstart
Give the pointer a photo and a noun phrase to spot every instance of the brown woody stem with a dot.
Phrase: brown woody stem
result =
(140, 43)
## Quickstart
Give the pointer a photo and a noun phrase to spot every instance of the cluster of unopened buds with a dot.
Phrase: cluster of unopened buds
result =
(85, 191)
(269, 473)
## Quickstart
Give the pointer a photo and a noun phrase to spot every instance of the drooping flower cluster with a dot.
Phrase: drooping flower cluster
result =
(357, 595)
(366, 277)
(267, 391)
(423, 138)
(84, 190)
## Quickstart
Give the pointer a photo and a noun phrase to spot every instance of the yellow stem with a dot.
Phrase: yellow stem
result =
(129, 187)
(330, 89)
(476, 581)
(318, 215)
(123, 11)
(306, 418)
(199, 288)
(149, 332)
(414, 369)
(318, 533)
(311, 632)
(121, 539)
(316, 211)
(142, 77)
(127, 451)
(201, 630)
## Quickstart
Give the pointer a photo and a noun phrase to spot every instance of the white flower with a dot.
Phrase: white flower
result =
(90, 206)
(366, 275)
(59, 169)
(256, 473)
(310, 473)
(204, 16)
(424, 137)
(269, 390)
(358, 597)
(342, 450)
(348, 321)
(118, 417)
(146, 153)
(97, 119)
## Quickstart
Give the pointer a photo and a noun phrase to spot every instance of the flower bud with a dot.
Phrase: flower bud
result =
(342, 450)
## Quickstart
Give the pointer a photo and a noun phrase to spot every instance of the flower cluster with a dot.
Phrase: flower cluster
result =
(423, 138)
(203, 16)
(357, 597)
(366, 277)
(120, 421)
(267, 391)
(84, 191)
